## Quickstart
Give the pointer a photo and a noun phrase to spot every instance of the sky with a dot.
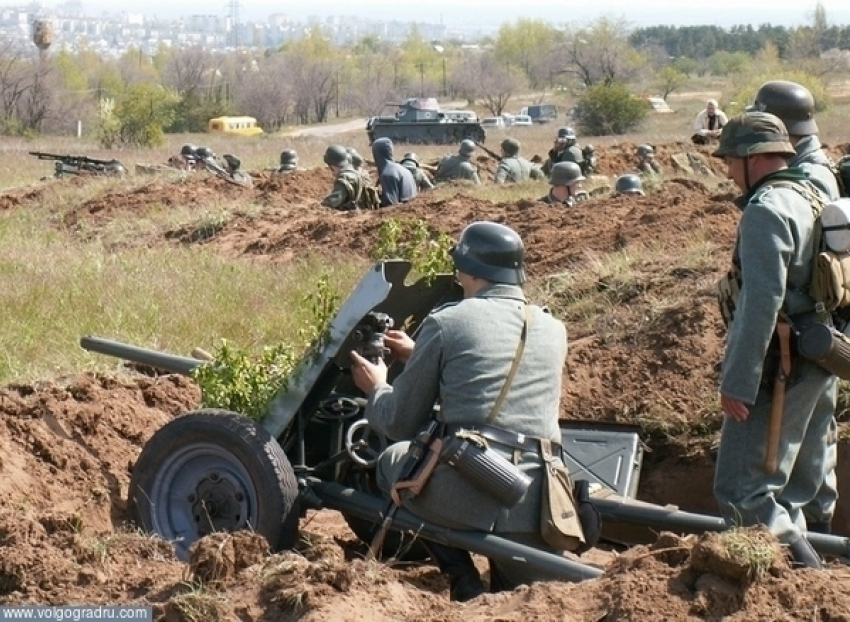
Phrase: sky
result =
(724, 13)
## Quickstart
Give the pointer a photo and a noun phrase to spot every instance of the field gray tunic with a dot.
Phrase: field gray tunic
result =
(456, 167)
(775, 249)
(461, 359)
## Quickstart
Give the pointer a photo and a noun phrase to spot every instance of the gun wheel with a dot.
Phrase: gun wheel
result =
(214, 470)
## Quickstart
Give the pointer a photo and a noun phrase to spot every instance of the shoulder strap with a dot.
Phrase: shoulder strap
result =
(514, 365)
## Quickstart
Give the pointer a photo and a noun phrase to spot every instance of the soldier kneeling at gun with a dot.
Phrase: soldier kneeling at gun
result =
(497, 429)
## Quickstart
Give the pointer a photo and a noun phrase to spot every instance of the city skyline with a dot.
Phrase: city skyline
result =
(491, 13)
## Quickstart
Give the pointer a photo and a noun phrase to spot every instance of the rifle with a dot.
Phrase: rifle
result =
(73, 165)
(215, 168)
(419, 464)
(489, 152)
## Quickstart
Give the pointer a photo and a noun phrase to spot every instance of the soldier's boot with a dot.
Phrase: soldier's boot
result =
(805, 555)
(464, 579)
(824, 527)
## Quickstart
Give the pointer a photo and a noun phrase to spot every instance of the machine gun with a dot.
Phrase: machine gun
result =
(81, 165)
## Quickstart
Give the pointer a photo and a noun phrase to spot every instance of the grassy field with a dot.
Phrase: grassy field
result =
(55, 286)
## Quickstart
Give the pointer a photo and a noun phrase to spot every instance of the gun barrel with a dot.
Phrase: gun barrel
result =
(172, 363)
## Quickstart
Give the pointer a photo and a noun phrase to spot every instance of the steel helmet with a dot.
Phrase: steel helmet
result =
(567, 132)
(336, 155)
(410, 157)
(491, 251)
(467, 147)
(232, 160)
(204, 153)
(288, 159)
(645, 150)
(565, 174)
(629, 184)
(189, 150)
(355, 157)
(791, 102)
(510, 146)
(753, 133)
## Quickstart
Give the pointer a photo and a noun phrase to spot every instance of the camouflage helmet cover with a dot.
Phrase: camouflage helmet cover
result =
(288, 159)
(510, 146)
(753, 133)
(492, 251)
(410, 158)
(232, 160)
(791, 102)
(645, 150)
(355, 157)
(336, 155)
(467, 148)
(565, 174)
(629, 184)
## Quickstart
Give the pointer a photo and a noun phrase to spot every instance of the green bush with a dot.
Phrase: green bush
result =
(745, 91)
(427, 249)
(605, 110)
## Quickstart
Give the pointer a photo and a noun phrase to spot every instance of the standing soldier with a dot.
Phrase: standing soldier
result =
(565, 149)
(349, 190)
(795, 106)
(288, 162)
(764, 292)
(411, 162)
(647, 164)
(458, 166)
(566, 187)
(234, 169)
(512, 168)
(629, 184)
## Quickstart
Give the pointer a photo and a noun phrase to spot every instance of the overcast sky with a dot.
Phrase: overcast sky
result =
(493, 12)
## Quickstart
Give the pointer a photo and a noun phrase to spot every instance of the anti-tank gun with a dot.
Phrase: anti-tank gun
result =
(81, 165)
(213, 470)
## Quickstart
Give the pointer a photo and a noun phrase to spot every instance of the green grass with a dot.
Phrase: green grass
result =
(54, 289)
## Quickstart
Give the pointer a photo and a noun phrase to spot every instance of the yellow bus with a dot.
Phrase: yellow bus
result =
(246, 126)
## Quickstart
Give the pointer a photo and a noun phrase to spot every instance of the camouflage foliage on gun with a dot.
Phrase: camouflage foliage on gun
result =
(75, 165)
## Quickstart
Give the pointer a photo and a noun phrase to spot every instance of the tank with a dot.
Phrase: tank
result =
(421, 121)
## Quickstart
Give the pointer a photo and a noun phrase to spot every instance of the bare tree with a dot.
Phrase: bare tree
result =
(601, 54)
(265, 93)
(315, 82)
(497, 83)
(374, 84)
(192, 71)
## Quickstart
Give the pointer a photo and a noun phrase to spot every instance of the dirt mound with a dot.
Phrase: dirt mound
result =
(67, 446)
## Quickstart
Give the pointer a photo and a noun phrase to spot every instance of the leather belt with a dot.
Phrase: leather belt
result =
(515, 440)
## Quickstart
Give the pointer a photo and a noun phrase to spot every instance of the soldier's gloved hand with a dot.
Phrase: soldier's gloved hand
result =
(367, 375)
(400, 344)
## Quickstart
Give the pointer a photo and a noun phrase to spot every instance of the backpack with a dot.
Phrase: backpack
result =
(365, 195)
(841, 170)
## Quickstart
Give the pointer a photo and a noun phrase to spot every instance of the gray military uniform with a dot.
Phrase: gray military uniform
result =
(570, 201)
(774, 251)
(811, 159)
(455, 166)
(421, 178)
(568, 154)
(458, 363)
(242, 178)
(347, 187)
(513, 169)
(649, 167)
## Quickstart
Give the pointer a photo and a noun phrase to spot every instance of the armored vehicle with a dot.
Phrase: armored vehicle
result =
(214, 470)
(421, 121)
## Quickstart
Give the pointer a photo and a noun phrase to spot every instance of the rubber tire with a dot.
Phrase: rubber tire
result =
(234, 443)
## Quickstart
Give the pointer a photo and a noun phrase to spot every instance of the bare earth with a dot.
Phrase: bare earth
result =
(67, 446)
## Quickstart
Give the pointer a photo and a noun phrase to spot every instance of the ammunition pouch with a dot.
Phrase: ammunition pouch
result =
(831, 280)
(728, 290)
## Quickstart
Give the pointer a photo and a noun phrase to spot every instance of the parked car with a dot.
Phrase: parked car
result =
(522, 120)
(493, 123)
(541, 113)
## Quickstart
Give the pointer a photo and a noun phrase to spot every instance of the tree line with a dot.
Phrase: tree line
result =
(134, 99)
